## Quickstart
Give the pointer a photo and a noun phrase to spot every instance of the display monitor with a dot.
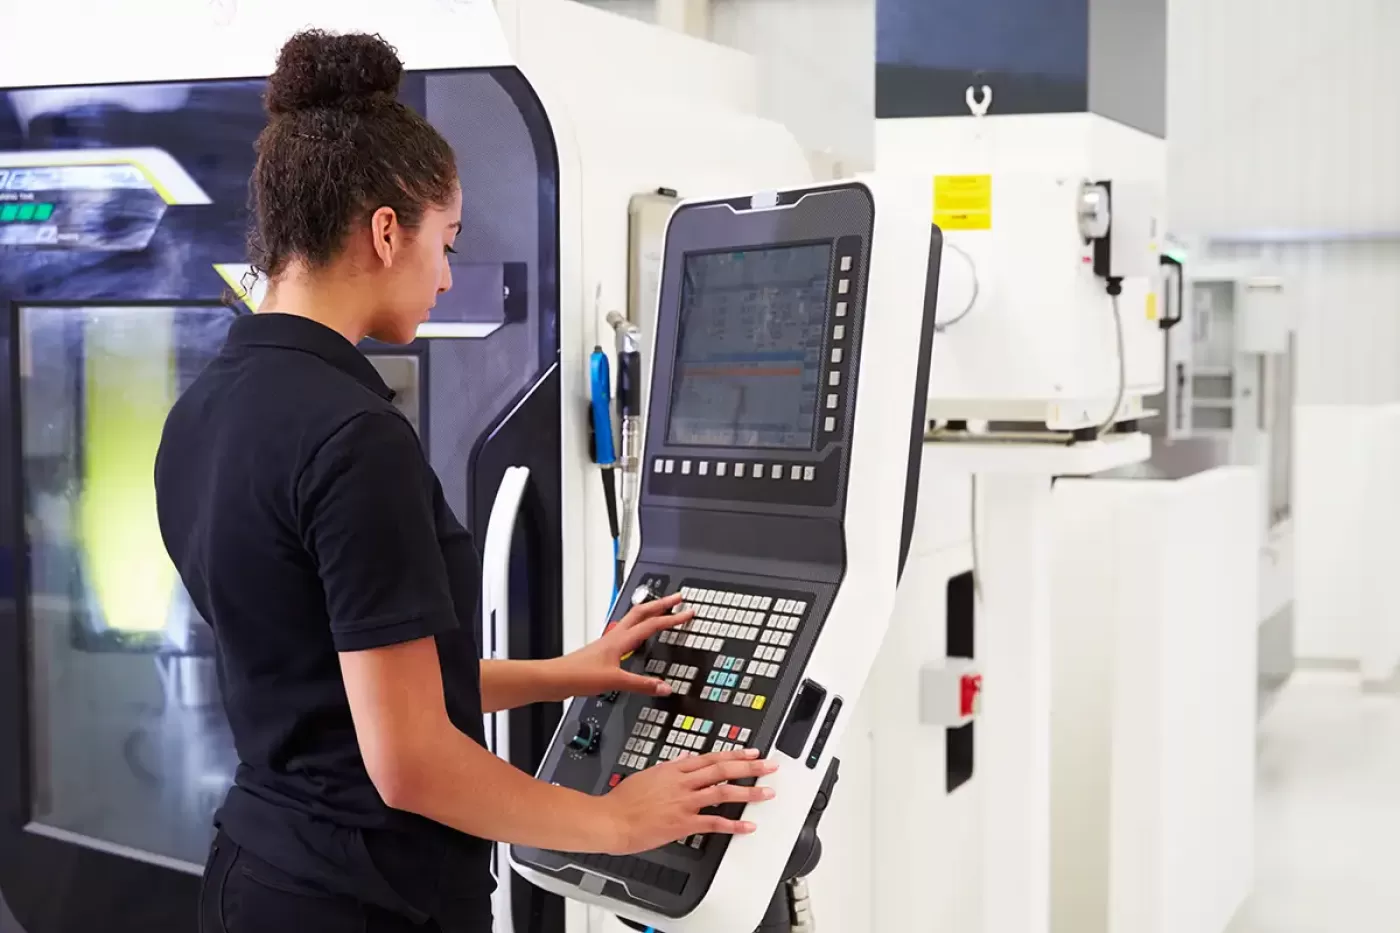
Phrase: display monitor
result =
(749, 356)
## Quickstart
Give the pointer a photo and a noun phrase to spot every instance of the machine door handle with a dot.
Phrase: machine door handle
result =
(495, 645)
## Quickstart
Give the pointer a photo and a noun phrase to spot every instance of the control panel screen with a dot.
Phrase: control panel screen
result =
(749, 350)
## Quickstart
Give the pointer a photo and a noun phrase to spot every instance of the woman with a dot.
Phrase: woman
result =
(312, 534)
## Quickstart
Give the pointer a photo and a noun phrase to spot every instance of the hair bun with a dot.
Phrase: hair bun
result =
(318, 70)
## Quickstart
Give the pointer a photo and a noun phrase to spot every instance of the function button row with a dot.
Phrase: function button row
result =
(691, 740)
(708, 611)
(784, 623)
(770, 653)
(695, 594)
(734, 733)
(774, 637)
(658, 716)
(763, 669)
(698, 642)
(741, 470)
(646, 730)
(672, 752)
(643, 746)
(694, 724)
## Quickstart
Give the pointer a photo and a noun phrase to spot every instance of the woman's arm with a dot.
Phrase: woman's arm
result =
(595, 668)
(419, 762)
(512, 684)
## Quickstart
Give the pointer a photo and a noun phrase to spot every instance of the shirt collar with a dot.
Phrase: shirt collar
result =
(292, 332)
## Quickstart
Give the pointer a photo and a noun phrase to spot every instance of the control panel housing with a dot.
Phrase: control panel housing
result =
(792, 348)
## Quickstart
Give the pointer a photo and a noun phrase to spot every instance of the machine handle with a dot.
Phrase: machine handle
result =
(1174, 294)
(495, 645)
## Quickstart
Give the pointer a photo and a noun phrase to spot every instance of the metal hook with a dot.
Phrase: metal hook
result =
(979, 106)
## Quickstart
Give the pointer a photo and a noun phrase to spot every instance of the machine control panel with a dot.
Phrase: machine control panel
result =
(751, 487)
(732, 669)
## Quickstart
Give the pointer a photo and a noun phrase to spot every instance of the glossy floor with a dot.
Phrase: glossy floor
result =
(1328, 811)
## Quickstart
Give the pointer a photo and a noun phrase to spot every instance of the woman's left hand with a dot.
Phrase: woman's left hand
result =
(597, 667)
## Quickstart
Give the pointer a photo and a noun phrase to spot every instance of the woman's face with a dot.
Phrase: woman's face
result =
(415, 269)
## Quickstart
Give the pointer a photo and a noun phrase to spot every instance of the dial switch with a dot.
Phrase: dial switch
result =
(647, 591)
(585, 740)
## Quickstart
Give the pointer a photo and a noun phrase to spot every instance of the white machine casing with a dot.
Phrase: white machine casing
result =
(854, 628)
(615, 137)
(1038, 344)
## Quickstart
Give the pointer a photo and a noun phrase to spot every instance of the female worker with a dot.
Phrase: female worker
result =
(311, 533)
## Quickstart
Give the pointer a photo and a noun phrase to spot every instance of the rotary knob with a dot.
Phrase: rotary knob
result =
(585, 740)
(646, 592)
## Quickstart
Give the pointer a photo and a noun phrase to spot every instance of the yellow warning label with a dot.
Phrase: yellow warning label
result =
(962, 202)
(1152, 306)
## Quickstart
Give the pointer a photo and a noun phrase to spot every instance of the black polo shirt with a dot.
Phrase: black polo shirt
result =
(305, 520)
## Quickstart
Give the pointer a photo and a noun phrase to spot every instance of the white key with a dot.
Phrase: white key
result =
(778, 471)
(670, 466)
(843, 286)
(800, 607)
(758, 471)
(739, 470)
(781, 655)
(834, 378)
(836, 353)
(833, 400)
(685, 467)
(810, 473)
(845, 263)
(704, 468)
(840, 309)
(721, 468)
(828, 425)
(766, 603)
(658, 466)
(839, 331)
(786, 639)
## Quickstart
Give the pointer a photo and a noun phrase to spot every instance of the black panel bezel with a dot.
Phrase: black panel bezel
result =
(843, 215)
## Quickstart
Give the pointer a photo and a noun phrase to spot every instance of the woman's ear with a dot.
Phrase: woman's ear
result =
(387, 234)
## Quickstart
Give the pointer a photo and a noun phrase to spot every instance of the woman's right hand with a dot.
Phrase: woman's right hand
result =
(662, 804)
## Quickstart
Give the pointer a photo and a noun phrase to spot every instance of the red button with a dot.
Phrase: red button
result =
(971, 692)
(615, 780)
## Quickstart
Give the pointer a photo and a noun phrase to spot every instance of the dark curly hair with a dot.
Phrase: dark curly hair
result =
(338, 146)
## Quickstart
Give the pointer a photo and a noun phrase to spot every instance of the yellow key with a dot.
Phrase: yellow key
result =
(759, 701)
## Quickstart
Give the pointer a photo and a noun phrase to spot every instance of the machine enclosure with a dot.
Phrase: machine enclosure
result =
(1028, 329)
(875, 509)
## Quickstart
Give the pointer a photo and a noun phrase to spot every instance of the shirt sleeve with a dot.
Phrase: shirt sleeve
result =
(365, 510)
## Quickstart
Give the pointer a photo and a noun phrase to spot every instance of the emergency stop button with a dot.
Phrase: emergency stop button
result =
(971, 695)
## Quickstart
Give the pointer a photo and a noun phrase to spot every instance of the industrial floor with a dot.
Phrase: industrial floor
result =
(1328, 811)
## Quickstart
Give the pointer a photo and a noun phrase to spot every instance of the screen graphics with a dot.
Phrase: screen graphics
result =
(749, 353)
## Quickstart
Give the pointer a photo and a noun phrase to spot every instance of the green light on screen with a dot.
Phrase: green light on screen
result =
(8, 212)
(26, 212)
(43, 212)
(129, 387)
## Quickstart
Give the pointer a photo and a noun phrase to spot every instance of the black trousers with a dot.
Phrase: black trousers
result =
(243, 894)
